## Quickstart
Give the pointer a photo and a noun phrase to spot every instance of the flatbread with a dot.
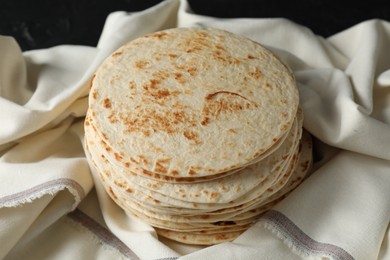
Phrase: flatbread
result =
(160, 109)
(197, 132)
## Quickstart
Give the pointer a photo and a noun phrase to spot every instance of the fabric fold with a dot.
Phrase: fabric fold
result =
(340, 212)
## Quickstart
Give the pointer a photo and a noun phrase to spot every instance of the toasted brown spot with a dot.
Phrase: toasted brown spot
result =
(158, 35)
(91, 82)
(129, 190)
(112, 193)
(132, 85)
(251, 57)
(205, 121)
(119, 184)
(194, 49)
(141, 64)
(174, 172)
(219, 47)
(192, 136)
(118, 53)
(192, 172)
(162, 165)
(225, 101)
(152, 84)
(192, 71)
(112, 118)
(202, 35)
(305, 166)
(160, 168)
(143, 159)
(214, 195)
(117, 157)
(256, 74)
(221, 237)
(107, 103)
(126, 164)
(157, 120)
(179, 77)
(284, 127)
(146, 133)
(232, 130)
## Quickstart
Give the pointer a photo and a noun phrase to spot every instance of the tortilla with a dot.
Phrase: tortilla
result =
(160, 109)
(196, 132)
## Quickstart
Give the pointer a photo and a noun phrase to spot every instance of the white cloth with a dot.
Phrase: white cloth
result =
(342, 211)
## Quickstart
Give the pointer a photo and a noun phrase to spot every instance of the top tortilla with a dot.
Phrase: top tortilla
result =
(191, 102)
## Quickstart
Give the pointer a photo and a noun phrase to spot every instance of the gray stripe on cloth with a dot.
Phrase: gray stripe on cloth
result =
(38, 191)
(299, 239)
(105, 235)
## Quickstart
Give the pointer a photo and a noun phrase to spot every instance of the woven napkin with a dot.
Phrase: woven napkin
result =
(52, 206)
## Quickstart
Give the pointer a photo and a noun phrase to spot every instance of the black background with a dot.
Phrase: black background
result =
(39, 24)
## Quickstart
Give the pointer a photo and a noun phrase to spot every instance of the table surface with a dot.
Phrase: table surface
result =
(44, 23)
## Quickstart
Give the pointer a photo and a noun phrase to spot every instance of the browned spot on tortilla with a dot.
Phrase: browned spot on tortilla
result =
(107, 103)
(118, 53)
(174, 172)
(256, 74)
(152, 84)
(157, 120)
(214, 195)
(91, 82)
(205, 121)
(225, 102)
(284, 127)
(143, 159)
(172, 55)
(192, 172)
(192, 71)
(158, 35)
(162, 165)
(194, 49)
(192, 136)
(126, 164)
(132, 85)
(117, 157)
(129, 190)
(179, 77)
(141, 64)
(305, 166)
(119, 184)
(112, 118)
(112, 193)
(251, 57)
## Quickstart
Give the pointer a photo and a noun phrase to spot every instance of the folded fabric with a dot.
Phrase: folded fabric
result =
(47, 188)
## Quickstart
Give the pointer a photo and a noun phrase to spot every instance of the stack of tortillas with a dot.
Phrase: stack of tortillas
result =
(196, 132)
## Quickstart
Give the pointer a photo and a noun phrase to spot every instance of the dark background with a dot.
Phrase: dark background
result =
(44, 23)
